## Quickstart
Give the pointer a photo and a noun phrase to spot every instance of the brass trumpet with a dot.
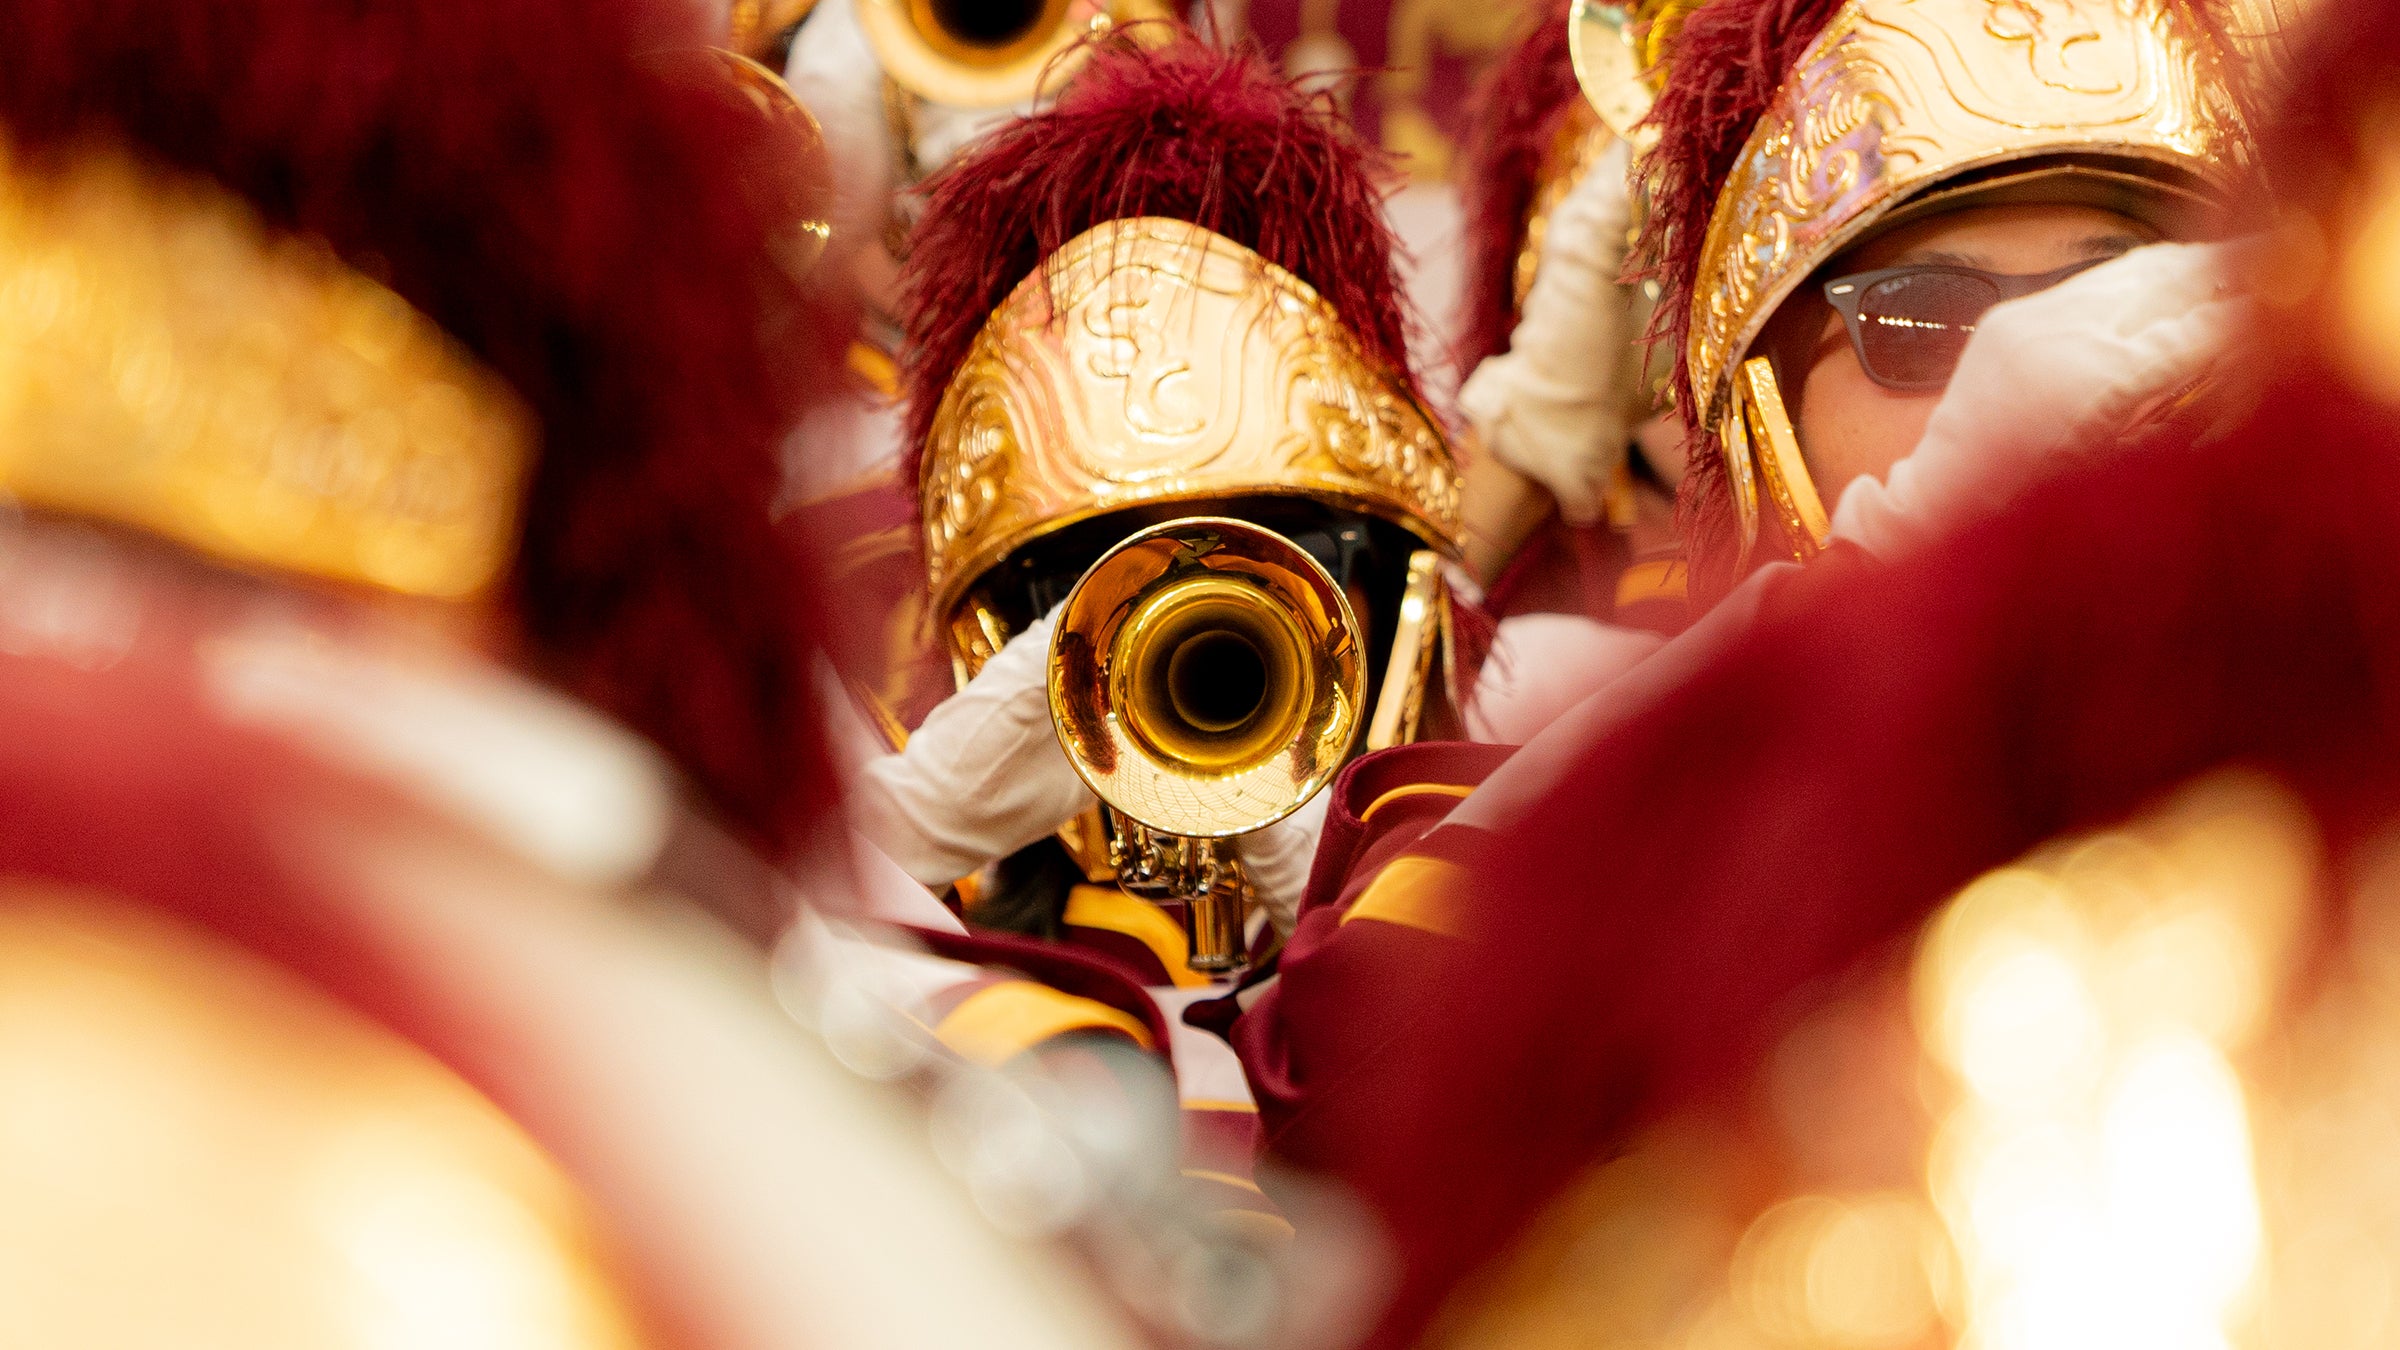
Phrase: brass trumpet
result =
(1206, 677)
(986, 53)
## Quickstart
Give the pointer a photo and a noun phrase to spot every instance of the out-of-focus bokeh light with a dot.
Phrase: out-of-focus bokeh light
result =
(1859, 1272)
(2141, 1089)
(199, 1149)
(2095, 1163)
(2366, 290)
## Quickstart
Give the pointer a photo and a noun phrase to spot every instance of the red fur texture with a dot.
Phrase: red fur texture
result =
(1519, 107)
(1182, 130)
(1646, 928)
(1724, 67)
(516, 170)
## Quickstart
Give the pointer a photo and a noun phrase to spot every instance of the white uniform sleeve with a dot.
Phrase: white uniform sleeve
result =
(1278, 859)
(1550, 407)
(983, 777)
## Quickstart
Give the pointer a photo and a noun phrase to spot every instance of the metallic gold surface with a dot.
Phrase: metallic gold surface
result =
(1130, 709)
(1899, 96)
(1400, 704)
(1741, 471)
(754, 26)
(168, 363)
(926, 51)
(800, 242)
(201, 1149)
(1206, 677)
(1200, 874)
(1151, 362)
(2122, 1091)
(1783, 478)
(1215, 919)
(2262, 31)
(1607, 54)
(1619, 54)
(2364, 276)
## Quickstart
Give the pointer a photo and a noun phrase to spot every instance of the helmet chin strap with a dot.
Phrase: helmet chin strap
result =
(1767, 470)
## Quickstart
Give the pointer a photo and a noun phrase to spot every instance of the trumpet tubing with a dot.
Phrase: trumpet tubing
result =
(1206, 677)
(1213, 673)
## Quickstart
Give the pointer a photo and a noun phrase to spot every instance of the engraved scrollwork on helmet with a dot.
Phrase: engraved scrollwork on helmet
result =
(2051, 34)
(975, 448)
(1837, 148)
(1127, 323)
(1150, 362)
(1355, 417)
(1897, 96)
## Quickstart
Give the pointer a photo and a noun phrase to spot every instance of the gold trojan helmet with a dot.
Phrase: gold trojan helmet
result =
(171, 364)
(1900, 107)
(1150, 362)
(1153, 364)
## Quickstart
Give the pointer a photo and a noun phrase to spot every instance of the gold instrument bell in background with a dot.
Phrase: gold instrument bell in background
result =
(989, 53)
(1619, 55)
(1206, 677)
(755, 28)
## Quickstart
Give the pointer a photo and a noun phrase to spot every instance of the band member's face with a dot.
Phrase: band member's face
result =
(1847, 423)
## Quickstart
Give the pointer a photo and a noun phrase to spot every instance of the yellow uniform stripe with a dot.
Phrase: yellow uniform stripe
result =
(1658, 579)
(874, 366)
(1272, 1231)
(1112, 910)
(995, 1025)
(1413, 790)
(1414, 892)
(1223, 1179)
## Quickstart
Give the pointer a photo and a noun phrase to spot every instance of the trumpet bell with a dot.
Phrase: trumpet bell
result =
(985, 53)
(1206, 677)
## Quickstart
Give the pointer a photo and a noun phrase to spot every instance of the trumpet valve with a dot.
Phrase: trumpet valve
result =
(1216, 919)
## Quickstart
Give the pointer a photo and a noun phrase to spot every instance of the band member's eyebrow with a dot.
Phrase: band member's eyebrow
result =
(2113, 244)
(1940, 257)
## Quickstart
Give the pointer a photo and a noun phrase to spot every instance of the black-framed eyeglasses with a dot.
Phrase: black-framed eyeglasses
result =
(1909, 324)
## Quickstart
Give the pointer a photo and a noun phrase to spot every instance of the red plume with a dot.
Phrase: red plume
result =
(515, 170)
(1181, 130)
(1513, 125)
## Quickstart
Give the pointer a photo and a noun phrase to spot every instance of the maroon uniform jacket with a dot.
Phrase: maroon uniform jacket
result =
(1630, 942)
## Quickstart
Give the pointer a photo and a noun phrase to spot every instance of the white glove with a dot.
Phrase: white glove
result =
(982, 778)
(1278, 859)
(2044, 376)
(1552, 406)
